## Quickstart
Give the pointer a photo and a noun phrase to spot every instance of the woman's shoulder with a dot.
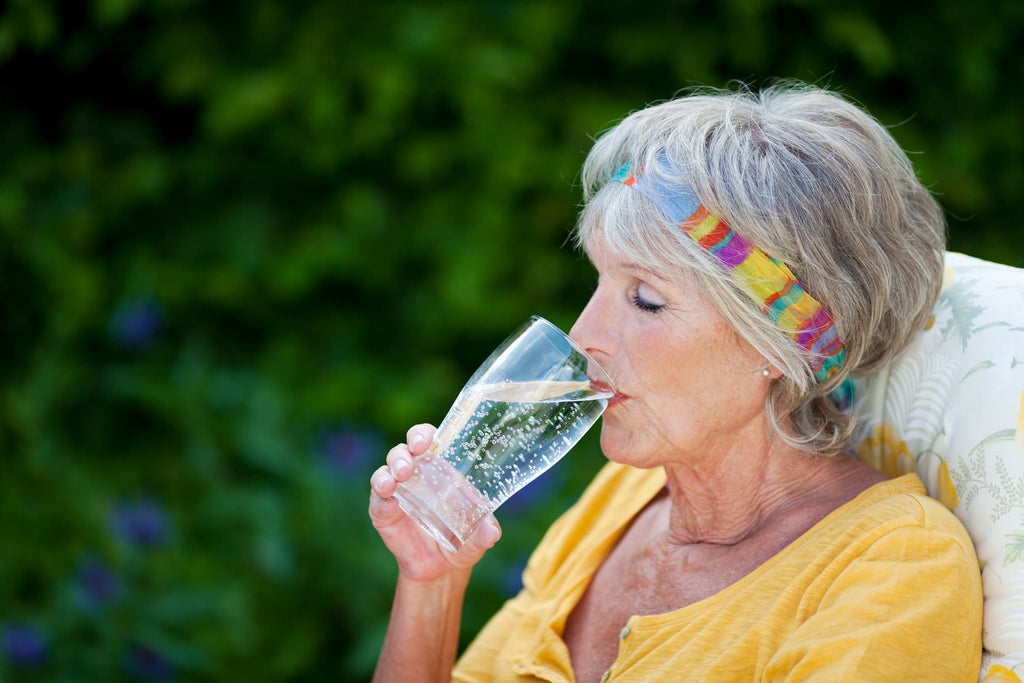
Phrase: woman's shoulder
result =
(605, 508)
(614, 496)
(901, 503)
(908, 494)
(624, 481)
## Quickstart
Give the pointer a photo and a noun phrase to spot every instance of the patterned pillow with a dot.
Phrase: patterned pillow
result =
(952, 408)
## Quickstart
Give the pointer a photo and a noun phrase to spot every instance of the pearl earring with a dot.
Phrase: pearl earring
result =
(766, 372)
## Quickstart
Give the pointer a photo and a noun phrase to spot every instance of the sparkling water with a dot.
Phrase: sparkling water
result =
(496, 439)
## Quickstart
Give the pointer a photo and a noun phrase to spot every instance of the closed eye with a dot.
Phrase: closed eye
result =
(645, 305)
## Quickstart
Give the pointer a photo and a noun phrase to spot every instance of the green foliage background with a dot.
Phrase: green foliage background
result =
(245, 245)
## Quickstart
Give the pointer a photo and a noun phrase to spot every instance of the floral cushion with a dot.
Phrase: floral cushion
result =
(952, 409)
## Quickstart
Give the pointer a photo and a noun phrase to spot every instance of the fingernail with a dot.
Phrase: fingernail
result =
(489, 532)
(402, 467)
(416, 440)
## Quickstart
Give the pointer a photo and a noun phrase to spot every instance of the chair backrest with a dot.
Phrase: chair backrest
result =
(951, 408)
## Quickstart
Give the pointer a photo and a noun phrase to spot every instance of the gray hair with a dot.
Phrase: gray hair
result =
(814, 181)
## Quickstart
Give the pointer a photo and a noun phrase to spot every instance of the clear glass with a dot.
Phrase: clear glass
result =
(529, 403)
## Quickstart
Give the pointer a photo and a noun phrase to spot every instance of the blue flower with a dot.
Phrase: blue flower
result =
(134, 325)
(351, 451)
(141, 523)
(511, 581)
(24, 645)
(146, 664)
(96, 585)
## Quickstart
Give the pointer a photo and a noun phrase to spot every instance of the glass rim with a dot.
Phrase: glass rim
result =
(592, 363)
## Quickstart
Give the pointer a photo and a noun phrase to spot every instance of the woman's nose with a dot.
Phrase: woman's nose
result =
(589, 330)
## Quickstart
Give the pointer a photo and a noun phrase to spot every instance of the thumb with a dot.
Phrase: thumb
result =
(486, 534)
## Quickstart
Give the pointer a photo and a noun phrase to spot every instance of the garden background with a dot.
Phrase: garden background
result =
(244, 245)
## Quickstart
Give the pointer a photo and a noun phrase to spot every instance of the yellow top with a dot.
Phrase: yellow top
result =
(885, 588)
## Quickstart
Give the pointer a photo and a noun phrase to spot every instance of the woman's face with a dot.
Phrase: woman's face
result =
(688, 385)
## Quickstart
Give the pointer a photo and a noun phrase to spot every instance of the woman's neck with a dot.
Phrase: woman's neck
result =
(733, 500)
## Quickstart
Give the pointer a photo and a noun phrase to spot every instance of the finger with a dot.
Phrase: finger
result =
(399, 460)
(382, 482)
(418, 437)
(384, 508)
(486, 534)
(384, 511)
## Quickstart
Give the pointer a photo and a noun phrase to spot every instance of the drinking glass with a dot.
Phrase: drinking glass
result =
(521, 411)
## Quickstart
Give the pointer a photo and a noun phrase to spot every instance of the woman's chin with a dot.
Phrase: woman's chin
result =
(615, 443)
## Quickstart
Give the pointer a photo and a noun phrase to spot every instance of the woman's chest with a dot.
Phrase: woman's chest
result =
(631, 583)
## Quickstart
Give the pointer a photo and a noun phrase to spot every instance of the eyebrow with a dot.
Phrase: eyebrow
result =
(628, 266)
(634, 269)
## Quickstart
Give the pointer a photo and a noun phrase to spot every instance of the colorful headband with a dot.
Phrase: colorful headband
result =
(767, 281)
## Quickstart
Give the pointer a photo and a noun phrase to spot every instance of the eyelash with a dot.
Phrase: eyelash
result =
(645, 305)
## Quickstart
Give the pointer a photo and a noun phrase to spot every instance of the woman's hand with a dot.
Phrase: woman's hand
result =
(420, 557)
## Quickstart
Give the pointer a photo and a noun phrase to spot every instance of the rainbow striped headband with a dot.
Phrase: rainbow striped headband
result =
(767, 281)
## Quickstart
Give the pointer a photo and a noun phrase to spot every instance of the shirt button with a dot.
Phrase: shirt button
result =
(625, 631)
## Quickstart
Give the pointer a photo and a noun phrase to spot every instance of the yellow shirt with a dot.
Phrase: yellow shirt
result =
(885, 588)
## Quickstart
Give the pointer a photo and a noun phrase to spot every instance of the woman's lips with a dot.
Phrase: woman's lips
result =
(617, 399)
(605, 387)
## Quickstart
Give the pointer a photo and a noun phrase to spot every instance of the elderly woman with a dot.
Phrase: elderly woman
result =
(753, 251)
